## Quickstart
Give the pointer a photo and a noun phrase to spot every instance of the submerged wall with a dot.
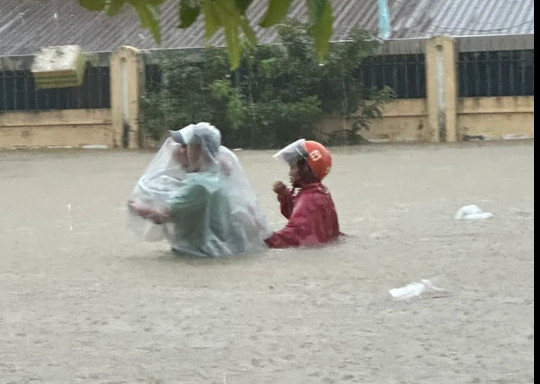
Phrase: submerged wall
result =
(62, 128)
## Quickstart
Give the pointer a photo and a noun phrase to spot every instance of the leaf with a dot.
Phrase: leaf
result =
(321, 20)
(248, 31)
(212, 21)
(233, 43)
(277, 10)
(243, 5)
(155, 3)
(220, 89)
(189, 11)
(93, 5)
(230, 20)
(149, 18)
(315, 9)
(114, 6)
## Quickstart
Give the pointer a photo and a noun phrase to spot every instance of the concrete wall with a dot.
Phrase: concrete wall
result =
(476, 118)
(441, 88)
(127, 82)
(496, 117)
(442, 116)
(111, 128)
(404, 120)
(63, 128)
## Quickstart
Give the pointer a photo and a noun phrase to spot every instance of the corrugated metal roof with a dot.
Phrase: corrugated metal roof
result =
(27, 25)
(426, 18)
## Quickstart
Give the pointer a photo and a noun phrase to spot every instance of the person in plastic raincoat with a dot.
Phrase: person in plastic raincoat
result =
(196, 195)
(311, 214)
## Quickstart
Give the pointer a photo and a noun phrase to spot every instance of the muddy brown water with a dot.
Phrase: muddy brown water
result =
(83, 301)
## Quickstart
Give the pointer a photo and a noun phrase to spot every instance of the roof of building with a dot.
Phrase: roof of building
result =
(28, 25)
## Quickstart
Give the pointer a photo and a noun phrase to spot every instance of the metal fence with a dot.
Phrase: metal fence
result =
(18, 92)
(405, 74)
(153, 77)
(496, 73)
(487, 66)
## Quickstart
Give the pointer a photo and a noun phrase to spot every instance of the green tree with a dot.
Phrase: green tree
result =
(278, 92)
(229, 15)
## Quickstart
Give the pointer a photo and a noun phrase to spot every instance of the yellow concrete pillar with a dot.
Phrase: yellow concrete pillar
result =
(441, 88)
(127, 82)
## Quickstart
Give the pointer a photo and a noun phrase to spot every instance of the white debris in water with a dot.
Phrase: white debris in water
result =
(70, 217)
(429, 288)
(516, 136)
(95, 146)
(471, 212)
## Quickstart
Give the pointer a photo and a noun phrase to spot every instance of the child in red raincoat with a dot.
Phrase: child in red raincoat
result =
(310, 210)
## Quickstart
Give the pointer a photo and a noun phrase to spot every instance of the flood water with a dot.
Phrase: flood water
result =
(83, 301)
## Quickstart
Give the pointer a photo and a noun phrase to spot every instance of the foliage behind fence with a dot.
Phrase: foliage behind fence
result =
(278, 93)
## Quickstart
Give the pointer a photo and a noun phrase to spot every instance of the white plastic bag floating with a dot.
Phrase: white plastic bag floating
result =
(408, 291)
(471, 212)
(429, 288)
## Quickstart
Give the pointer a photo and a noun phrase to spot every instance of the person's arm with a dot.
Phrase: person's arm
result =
(157, 215)
(188, 198)
(285, 198)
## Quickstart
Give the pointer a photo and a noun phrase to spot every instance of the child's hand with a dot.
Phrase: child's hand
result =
(279, 187)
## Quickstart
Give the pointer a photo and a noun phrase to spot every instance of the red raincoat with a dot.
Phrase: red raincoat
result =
(312, 218)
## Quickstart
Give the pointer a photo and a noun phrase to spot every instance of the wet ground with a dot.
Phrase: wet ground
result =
(83, 301)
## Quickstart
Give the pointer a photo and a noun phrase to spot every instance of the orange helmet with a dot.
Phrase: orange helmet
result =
(316, 155)
(319, 159)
